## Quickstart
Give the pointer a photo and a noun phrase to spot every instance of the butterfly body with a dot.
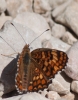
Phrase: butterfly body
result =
(35, 69)
(23, 67)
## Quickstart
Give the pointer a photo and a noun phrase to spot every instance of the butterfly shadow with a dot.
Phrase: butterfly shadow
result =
(8, 76)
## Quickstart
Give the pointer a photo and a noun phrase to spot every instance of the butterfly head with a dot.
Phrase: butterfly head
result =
(26, 48)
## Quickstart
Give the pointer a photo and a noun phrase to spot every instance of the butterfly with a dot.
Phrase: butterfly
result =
(36, 69)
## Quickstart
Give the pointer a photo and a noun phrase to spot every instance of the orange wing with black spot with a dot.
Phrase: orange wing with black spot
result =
(50, 60)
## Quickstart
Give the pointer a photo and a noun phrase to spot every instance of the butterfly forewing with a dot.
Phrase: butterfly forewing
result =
(50, 61)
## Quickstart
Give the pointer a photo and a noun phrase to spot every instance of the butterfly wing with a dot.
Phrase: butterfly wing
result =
(50, 60)
(37, 80)
(44, 64)
(29, 78)
(21, 76)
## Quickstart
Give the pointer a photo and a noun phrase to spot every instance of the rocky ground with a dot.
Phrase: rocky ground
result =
(31, 18)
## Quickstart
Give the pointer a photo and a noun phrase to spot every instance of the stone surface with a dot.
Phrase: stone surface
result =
(48, 18)
(69, 38)
(12, 6)
(44, 92)
(1, 88)
(2, 6)
(74, 86)
(35, 22)
(69, 96)
(13, 38)
(60, 9)
(71, 16)
(58, 30)
(62, 99)
(72, 65)
(28, 96)
(26, 5)
(61, 19)
(15, 6)
(41, 6)
(60, 85)
(55, 43)
(53, 95)
(3, 19)
(56, 3)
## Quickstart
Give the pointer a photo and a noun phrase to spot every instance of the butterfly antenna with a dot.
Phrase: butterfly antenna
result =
(39, 36)
(9, 44)
(19, 33)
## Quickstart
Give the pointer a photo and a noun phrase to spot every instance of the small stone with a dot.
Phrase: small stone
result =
(72, 66)
(69, 38)
(74, 86)
(58, 87)
(69, 96)
(41, 6)
(58, 30)
(60, 9)
(52, 95)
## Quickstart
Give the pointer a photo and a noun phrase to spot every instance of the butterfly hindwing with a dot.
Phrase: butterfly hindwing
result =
(38, 81)
(50, 60)
(21, 76)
